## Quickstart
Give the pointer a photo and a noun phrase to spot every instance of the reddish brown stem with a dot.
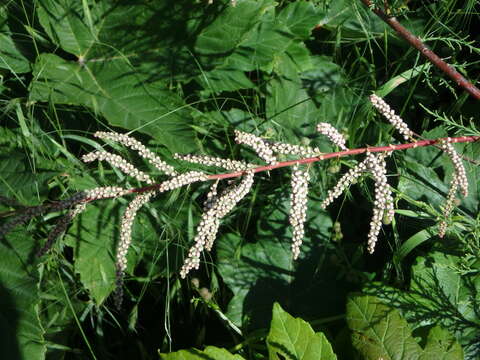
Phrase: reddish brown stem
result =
(425, 51)
(388, 148)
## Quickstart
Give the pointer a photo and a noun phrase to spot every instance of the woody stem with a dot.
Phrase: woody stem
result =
(387, 148)
(424, 50)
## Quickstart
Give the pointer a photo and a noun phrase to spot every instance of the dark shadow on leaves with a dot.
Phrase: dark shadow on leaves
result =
(8, 326)
(430, 304)
(285, 352)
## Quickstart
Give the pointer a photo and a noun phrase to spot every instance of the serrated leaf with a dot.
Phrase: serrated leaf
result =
(116, 91)
(288, 103)
(236, 21)
(63, 20)
(210, 353)
(355, 19)
(22, 334)
(436, 278)
(293, 338)
(441, 345)
(19, 180)
(379, 331)
(300, 17)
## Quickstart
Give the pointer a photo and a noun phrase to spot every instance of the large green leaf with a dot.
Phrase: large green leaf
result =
(22, 334)
(446, 296)
(353, 18)
(379, 331)
(293, 338)
(265, 36)
(115, 90)
(112, 29)
(210, 353)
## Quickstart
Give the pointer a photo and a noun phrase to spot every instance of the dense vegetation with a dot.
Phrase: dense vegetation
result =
(181, 76)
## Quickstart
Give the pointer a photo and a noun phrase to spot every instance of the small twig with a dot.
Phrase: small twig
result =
(424, 50)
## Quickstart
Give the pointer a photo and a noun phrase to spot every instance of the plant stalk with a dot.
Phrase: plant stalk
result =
(424, 50)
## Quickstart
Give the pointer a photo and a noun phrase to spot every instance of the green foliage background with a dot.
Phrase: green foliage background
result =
(181, 76)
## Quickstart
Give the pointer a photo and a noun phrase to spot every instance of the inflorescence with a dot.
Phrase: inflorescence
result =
(224, 196)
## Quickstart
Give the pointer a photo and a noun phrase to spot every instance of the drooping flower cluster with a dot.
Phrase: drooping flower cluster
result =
(118, 162)
(297, 150)
(385, 109)
(459, 181)
(142, 150)
(61, 227)
(333, 134)
(460, 175)
(448, 207)
(223, 197)
(182, 180)
(105, 192)
(217, 207)
(33, 211)
(260, 146)
(298, 207)
(125, 241)
(227, 164)
(383, 203)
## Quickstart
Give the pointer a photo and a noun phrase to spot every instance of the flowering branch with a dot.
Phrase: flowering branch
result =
(424, 50)
(224, 196)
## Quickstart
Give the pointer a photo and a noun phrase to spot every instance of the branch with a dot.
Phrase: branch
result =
(339, 154)
(425, 51)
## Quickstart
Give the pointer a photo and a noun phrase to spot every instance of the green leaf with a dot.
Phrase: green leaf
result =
(354, 19)
(64, 22)
(441, 345)
(236, 21)
(414, 241)
(22, 334)
(437, 278)
(92, 236)
(210, 353)
(11, 56)
(225, 79)
(288, 104)
(293, 338)
(300, 17)
(407, 75)
(116, 91)
(19, 180)
(380, 331)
